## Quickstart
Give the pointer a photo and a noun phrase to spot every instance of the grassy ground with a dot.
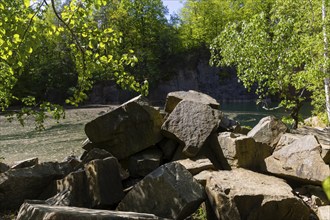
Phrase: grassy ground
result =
(55, 143)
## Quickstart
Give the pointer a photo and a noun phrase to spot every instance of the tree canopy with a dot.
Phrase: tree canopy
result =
(279, 49)
(54, 48)
(49, 46)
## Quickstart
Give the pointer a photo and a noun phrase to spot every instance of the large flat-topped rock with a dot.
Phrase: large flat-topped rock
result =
(173, 98)
(37, 210)
(301, 160)
(130, 128)
(242, 194)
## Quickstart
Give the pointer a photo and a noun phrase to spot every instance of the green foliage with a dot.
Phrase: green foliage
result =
(279, 50)
(326, 187)
(200, 214)
(204, 20)
(46, 46)
(145, 30)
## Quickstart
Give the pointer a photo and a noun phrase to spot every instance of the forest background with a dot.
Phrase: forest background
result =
(52, 52)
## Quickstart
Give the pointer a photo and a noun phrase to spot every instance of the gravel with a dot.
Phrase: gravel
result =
(55, 143)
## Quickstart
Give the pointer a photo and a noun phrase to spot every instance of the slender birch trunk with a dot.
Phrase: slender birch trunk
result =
(326, 58)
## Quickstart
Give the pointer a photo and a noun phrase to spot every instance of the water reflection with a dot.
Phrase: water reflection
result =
(249, 113)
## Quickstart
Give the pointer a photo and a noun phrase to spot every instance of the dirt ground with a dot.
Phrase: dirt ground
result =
(55, 143)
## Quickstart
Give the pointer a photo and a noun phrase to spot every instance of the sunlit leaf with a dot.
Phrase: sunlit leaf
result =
(27, 3)
(16, 38)
(102, 45)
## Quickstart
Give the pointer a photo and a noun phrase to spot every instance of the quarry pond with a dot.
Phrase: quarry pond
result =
(249, 113)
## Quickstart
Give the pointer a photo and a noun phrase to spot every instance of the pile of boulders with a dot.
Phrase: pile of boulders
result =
(142, 162)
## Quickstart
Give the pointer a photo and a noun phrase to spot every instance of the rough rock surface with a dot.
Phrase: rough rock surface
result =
(268, 131)
(16, 185)
(191, 123)
(95, 153)
(237, 150)
(242, 194)
(301, 160)
(3, 167)
(168, 192)
(72, 191)
(203, 176)
(195, 166)
(323, 136)
(130, 128)
(25, 163)
(173, 98)
(37, 210)
(105, 186)
(145, 162)
(324, 212)
(132, 132)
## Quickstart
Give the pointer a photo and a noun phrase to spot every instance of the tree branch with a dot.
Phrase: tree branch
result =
(72, 34)
(30, 22)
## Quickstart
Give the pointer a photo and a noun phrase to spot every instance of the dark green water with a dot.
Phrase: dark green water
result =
(249, 114)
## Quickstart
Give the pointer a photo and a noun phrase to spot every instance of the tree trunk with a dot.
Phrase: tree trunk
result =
(327, 96)
(325, 65)
(295, 114)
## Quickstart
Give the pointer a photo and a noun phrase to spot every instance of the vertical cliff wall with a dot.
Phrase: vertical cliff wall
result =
(191, 73)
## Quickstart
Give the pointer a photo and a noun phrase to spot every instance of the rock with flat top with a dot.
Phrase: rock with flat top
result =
(173, 98)
(25, 163)
(195, 166)
(126, 130)
(301, 161)
(37, 210)
(243, 194)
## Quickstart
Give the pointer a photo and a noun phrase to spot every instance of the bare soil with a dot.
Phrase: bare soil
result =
(55, 143)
